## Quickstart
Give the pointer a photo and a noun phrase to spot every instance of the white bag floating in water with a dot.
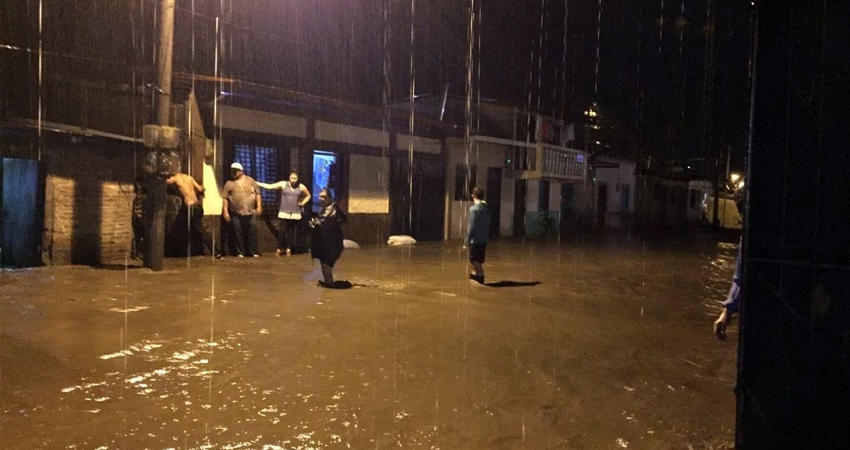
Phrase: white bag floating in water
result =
(350, 244)
(401, 240)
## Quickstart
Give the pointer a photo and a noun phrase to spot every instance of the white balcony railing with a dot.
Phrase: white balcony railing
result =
(529, 160)
(561, 162)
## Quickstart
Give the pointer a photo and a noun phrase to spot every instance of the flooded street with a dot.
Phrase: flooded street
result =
(613, 349)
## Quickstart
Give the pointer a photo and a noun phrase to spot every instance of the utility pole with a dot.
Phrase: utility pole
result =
(157, 160)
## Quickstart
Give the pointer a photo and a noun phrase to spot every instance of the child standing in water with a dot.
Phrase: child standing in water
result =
(477, 234)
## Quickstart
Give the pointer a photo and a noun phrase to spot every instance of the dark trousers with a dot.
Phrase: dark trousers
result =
(138, 237)
(245, 233)
(195, 214)
(287, 233)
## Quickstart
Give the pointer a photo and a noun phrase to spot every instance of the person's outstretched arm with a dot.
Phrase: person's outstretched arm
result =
(278, 185)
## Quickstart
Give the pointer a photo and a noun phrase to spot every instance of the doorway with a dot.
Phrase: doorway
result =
(602, 205)
(325, 175)
(21, 212)
(569, 221)
(414, 209)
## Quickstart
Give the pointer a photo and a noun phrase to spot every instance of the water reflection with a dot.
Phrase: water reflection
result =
(613, 349)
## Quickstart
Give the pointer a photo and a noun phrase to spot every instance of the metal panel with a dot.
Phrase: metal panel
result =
(21, 216)
(794, 350)
(417, 196)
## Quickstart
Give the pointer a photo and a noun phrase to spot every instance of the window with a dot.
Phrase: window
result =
(261, 164)
(543, 196)
(465, 181)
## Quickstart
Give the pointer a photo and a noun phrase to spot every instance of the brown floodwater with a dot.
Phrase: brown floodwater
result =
(613, 349)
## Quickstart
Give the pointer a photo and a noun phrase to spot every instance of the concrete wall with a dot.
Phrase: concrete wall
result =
(420, 144)
(368, 190)
(349, 134)
(233, 118)
(368, 199)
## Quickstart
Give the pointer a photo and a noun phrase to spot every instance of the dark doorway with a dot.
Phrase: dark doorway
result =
(416, 200)
(21, 212)
(494, 198)
(325, 175)
(520, 192)
(569, 221)
(602, 205)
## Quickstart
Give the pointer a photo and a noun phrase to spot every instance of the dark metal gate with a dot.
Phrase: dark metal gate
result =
(417, 196)
(794, 348)
(21, 212)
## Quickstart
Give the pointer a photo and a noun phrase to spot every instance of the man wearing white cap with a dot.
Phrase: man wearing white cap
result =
(242, 204)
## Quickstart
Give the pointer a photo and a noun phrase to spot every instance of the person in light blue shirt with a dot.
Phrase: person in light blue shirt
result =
(733, 300)
(477, 234)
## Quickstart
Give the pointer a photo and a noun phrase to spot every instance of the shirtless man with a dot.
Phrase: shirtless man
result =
(192, 208)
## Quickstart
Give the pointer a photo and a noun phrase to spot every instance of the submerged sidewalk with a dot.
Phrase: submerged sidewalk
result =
(613, 349)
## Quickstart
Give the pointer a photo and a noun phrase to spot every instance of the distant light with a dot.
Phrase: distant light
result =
(598, 143)
(689, 167)
(741, 184)
(734, 177)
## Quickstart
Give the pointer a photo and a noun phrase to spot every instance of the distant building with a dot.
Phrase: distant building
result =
(535, 183)
(615, 187)
(661, 201)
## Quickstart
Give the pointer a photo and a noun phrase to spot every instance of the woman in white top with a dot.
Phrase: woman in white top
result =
(293, 197)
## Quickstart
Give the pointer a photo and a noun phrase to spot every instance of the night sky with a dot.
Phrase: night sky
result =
(649, 80)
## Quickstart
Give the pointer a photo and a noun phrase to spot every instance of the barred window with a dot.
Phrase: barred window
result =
(261, 164)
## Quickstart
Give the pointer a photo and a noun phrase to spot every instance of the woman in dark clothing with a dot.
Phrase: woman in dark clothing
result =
(326, 241)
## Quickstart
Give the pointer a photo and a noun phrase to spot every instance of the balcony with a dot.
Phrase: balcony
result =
(560, 163)
(538, 161)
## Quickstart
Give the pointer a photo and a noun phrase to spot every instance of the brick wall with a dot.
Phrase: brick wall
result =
(88, 202)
